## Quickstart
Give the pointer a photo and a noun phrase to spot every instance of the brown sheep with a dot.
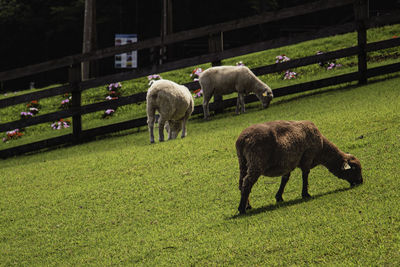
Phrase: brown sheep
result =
(276, 148)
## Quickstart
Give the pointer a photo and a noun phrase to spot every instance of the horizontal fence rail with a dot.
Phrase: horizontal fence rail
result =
(76, 86)
(135, 123)
(194, 85)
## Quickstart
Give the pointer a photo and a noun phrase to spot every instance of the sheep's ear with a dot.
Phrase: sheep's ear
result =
(346, 166)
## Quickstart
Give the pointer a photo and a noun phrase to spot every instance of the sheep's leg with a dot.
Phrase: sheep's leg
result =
(248, 181)
(304, 192)
(284, 180)
(183, 127)
(184, 120)
(241, 97)
(161, 124)
(206, 109)
(243, 172)
(206, 102)
(150, 123)
(240, 103)
(167, 127)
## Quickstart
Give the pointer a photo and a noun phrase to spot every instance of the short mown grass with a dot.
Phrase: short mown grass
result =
(122, 201)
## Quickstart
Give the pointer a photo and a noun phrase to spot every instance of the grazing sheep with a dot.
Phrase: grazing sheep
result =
(224, 80)
(175, 104)
(276, 148)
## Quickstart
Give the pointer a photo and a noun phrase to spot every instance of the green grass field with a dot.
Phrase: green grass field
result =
(122, 201)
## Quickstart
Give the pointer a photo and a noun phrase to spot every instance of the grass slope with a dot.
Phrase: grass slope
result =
(122, 201)
(307, 73)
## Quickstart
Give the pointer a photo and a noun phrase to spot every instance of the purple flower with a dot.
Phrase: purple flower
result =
(281, 58)
(153, 78)
(195, 73)
(109, 111)
(26, 114)
(290, 75)
(114, 86)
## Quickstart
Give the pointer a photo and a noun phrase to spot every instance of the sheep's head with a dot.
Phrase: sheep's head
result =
(173, 128)
(265, 96)
(351, 170)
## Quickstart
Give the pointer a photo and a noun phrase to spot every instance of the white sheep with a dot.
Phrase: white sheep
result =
(174, 103)
(224, 80)
(276, 148)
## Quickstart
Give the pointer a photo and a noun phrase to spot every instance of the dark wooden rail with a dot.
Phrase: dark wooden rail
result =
(215, 55)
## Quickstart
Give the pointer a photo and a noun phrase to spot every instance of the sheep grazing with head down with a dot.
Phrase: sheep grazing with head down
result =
(174, 103)
(224, 80)
(276, 148)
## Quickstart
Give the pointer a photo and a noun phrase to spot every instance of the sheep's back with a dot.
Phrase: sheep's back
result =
(172, 98)
(278, 147)
(225, 79)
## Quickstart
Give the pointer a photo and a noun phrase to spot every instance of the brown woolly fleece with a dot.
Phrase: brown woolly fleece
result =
(276, 148)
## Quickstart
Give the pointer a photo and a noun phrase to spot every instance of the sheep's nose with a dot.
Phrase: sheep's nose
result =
(355, 183)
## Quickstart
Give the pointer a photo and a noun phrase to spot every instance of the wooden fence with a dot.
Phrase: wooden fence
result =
(216, 54)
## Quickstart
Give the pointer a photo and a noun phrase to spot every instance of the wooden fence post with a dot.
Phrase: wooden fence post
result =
(74, 80)
(215, 45)
(361, 14)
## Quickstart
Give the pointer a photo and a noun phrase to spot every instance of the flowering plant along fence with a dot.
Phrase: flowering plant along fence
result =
(216, 53)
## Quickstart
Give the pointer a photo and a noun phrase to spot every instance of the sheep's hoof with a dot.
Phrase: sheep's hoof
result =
(248, 207)
(279, 199)
(242, 211)
(306, 196)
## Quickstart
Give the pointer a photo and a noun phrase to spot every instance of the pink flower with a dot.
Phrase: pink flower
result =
(281, 58)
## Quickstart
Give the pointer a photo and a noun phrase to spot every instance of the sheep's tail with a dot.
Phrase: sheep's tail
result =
(242, 161)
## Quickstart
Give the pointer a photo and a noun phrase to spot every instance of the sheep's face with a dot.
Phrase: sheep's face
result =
(173, 128)
(351, 171)
(265, 97)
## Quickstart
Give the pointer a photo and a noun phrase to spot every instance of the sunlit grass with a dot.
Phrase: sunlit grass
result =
(122, 201)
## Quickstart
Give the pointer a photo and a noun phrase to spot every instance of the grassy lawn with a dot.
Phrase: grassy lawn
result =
(122, 201)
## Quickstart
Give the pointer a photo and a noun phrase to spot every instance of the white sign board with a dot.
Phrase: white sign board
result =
(126, 60)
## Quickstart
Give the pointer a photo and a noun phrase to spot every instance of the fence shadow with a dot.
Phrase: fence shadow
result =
(337, 88)
(285, 204)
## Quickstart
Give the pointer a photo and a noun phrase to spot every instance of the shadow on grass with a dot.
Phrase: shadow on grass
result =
(285, 204)
(333, 88)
